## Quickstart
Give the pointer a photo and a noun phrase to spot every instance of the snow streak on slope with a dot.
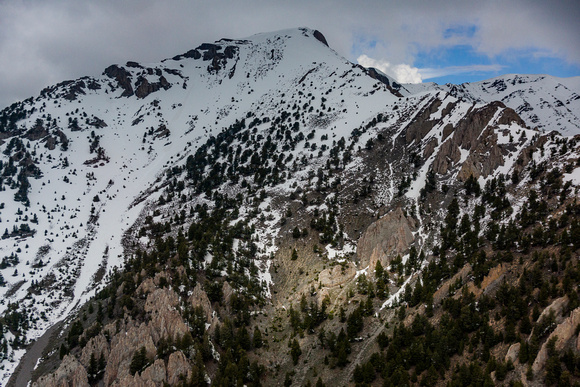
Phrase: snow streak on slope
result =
(104, 146)
(97, 140)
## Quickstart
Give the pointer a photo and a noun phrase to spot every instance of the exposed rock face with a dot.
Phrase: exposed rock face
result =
(165, 319)
(513, 353)
(430, 148)
(385, 239)
(564, 333)
(447, 130)
(218, 59)
(74, 90)
(336, 275)
(155, 373)
(177, 366)
(448, 155)
(70, 373)
(97, 345)
(194, 54)
(37, 132)
(50, 142)
(146, 286)
(557, 306)
(97, 123)
(490, 282)
(152, 376)
(318, 35)
(443, 291)
(144, 87)
(199, 298)
(128, 337)
(392, 86)
(473, 133)
(509, 116)
(484, 159)
(421, 125)
(123, 78)
(227, 291)
(123, 346)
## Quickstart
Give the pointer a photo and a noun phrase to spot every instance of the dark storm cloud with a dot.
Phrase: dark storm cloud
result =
(45, 42)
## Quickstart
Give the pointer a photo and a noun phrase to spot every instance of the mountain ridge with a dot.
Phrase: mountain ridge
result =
(256, 133)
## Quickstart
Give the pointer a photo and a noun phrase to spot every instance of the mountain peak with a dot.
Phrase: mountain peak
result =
(243, 174)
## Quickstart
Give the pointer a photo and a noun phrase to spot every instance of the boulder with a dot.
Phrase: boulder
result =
(513, 353)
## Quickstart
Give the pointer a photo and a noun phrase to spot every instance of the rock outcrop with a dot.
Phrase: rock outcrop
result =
(123, 347)
(422, 124)
(448, 155)
(318, 35)
(97, 345)
(155, 373)
(144, 87)
(70, 373)
(557, 307)
(199, 298)
(165, 321)
(513, 353)
(385, 239)
(177, 368)
(336, 275)
(563, 333)
(123, 78)
(443, 291)
(476, 134)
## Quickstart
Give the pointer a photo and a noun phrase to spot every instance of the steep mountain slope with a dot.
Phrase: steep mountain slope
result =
(86, 147)
(543, 101)
(242, 177)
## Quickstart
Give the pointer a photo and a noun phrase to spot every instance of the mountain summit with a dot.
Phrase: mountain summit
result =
(156, 213)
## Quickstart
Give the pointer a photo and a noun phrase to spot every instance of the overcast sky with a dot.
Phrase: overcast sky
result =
(45, 42)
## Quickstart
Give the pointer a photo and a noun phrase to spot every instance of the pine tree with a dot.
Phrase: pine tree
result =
(257, 339)
(139, 361)
(93, 368)
(295, 351)
(294, 254)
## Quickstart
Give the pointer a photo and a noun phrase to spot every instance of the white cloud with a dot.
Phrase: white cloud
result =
(428, 73)
(46, 41)
(403, 73)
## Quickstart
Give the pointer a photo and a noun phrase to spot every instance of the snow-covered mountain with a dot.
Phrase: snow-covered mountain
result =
(95, 150)
(86, 162)
(543, 101)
